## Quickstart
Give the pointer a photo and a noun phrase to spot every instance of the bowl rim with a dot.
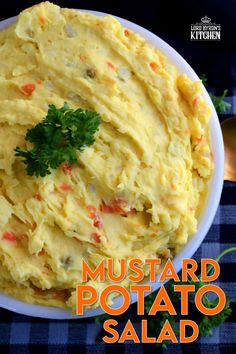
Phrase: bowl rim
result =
(211, 204)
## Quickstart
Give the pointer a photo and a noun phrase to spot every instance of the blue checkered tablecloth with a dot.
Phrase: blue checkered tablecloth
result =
(22, 334)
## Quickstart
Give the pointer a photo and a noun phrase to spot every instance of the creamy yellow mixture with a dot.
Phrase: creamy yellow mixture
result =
(133, 194)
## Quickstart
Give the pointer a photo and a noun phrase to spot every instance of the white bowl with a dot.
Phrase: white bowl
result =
(215, 186)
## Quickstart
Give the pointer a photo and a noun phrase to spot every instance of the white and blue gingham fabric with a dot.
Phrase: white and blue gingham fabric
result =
(21, 334)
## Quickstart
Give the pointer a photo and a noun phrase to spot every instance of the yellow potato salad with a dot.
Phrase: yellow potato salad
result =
(135, 193)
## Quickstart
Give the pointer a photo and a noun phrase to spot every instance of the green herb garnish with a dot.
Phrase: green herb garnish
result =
(56, 140)
(203, 79)
(208, 323)
(101, 318)
(220, 104)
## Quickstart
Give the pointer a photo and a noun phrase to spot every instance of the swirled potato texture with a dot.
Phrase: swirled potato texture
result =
(135, 193)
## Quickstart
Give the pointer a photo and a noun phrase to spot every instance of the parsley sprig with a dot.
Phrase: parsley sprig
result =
(219, 102)
(57, 138)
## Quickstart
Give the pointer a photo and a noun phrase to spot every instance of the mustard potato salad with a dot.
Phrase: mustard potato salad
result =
(135, 192)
